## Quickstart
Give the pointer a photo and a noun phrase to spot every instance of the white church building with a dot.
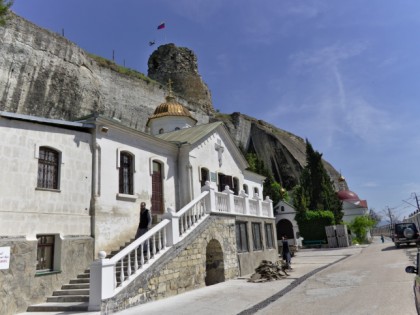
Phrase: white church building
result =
(70, 193)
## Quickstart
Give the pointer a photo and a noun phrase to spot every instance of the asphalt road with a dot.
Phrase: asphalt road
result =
(356, 280)
(372, 281)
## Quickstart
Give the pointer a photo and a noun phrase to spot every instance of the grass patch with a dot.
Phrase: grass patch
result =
(106, 63)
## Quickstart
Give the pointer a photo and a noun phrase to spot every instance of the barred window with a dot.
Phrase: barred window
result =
(126, 174)
(256, 236)
(45, 253)
(48, 168)
(241, 237)
(269, 235)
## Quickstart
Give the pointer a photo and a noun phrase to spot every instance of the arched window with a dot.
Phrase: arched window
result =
(48, 168)
(126, 173)
(161, 131)
(245, 187)
(256, 191)
(235, 187)
(205, 176)
(282, 208)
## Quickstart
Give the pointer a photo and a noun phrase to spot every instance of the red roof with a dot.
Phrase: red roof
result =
(347, 195)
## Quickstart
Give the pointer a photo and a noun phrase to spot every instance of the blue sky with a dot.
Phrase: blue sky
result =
(344, 74)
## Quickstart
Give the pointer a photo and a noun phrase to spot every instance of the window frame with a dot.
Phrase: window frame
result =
(256, 236)
(40, 251)
(126, 173)
(241, 232)
(46, 181)
(269, 236)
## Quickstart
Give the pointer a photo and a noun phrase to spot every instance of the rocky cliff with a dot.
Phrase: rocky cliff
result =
(44, 74)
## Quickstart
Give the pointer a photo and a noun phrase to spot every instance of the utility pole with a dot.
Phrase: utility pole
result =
(390, 216)
(417, 201)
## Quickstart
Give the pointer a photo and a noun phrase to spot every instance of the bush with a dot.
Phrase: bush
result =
(312, 224)
(360, 226)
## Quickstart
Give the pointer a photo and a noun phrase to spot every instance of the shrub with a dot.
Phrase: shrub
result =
(312, 223)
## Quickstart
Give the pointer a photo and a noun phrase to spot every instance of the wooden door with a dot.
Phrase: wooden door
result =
(157, 189)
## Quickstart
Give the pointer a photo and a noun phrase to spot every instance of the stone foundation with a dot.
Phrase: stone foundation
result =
(21, 286)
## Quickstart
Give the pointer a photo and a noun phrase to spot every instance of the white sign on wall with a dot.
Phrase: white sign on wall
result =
(4, 257)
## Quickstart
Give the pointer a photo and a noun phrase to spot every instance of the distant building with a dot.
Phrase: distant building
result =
(286, 224)
(353, 206)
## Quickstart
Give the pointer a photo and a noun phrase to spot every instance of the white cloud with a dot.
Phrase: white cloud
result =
(328, 56)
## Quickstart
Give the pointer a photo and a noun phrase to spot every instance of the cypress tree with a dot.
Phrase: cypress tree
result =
(317, 190)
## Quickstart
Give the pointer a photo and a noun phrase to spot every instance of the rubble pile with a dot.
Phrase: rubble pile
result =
(268, 271)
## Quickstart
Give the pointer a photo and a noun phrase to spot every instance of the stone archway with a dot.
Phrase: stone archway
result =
(215, 267)
(284, 227)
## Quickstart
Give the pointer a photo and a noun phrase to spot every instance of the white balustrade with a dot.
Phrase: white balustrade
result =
(109, 276)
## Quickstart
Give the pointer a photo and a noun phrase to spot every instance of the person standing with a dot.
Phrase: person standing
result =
(145, 220)
(286, 251)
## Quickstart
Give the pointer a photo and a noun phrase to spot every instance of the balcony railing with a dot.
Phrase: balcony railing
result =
(110, 276)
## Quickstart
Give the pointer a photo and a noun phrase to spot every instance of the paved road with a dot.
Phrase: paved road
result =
(357, 280)
(241, 297)
(370, 282)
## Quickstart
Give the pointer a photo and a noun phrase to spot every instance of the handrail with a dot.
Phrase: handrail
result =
(134, 245)
(190, 204)
(172, 229)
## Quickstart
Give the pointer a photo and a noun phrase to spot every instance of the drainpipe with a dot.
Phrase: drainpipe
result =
(94, 193)
(178, 167)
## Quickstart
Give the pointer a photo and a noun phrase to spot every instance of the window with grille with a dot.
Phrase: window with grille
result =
(241, 237)
(126, 174)
(48, 168)
(269, 235)
(45, 253)
(256, 236)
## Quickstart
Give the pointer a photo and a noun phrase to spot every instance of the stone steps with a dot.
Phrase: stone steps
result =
(74, 296)
(59, 307)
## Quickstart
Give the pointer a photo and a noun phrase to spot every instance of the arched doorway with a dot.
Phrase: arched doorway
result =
(215, 267)
(284, 227)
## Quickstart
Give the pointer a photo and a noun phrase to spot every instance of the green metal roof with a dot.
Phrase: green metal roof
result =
(190, 135)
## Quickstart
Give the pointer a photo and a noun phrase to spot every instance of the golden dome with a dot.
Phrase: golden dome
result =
(170, 108)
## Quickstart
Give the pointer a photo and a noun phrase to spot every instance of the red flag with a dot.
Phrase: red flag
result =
(161, 26)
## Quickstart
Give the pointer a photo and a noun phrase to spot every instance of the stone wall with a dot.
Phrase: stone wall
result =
(21, 286)
(183, 267)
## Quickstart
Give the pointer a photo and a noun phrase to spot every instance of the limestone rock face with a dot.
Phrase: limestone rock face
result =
(44, 74)
(179, 64)
(283, 153)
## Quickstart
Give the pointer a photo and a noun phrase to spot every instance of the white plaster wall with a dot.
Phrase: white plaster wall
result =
(289, 214)
(352, 211)
(170, 123)
(205, 155)
(116, 215)
(26, 211)
(253, 181)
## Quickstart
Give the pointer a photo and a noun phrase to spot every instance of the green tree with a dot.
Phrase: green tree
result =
(4, 9)
(317, 187)
(271, 188)
(360, 226)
